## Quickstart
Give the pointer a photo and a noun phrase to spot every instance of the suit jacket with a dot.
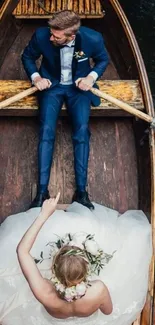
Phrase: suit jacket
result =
(88, 41)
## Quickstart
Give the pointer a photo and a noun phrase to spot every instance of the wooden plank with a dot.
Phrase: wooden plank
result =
(35, 7)
(30, 7)
(7, 7)
(4, 8)
(83, 7)
(98, 7)
(124, 23)
(87, 6)
(13, 54)
(48, 16)
(93, 5)
(76, 6)
(110, 164)
(18, 143)
(9, 28)
(128, 91)
(111, 180)
(70, 4)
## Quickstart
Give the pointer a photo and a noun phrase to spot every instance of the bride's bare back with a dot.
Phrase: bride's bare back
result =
(96, 297)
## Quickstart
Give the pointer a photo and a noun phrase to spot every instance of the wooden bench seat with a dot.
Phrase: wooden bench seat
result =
(45, 9)
(125, 90)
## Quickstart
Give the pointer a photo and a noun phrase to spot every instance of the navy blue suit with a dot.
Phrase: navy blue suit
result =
(77, 101)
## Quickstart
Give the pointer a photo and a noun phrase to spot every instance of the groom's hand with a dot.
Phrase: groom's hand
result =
(49, 206)
(85, 83)
(41, 83)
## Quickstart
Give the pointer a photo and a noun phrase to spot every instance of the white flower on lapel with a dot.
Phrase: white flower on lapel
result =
(79, 55)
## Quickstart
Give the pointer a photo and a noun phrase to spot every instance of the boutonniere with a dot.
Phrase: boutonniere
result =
(79, 55)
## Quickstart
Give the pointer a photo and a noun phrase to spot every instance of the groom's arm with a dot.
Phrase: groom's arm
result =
(31, 53)
(101, 60)
(99, 56)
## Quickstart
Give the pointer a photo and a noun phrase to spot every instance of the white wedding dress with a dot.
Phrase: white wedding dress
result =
(126, 275)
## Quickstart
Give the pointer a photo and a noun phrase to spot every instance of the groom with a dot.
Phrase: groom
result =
(65, 75)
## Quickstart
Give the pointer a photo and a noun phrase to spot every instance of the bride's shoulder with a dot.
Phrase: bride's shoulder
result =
(102, 296)
(97, 283)
(97, 287)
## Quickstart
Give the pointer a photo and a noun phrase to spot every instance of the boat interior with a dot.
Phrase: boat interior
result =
(116, 147)
(119, 174)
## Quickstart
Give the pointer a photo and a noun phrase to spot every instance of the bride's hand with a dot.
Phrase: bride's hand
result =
(49, 206)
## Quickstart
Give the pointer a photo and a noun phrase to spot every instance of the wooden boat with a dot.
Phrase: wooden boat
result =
(122, 157)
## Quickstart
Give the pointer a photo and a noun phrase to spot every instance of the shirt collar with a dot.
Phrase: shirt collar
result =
(71, 43)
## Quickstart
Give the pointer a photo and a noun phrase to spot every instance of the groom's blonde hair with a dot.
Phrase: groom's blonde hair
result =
(66, 20)
(70, 269)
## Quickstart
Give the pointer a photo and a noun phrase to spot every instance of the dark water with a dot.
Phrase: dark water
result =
(141, 15)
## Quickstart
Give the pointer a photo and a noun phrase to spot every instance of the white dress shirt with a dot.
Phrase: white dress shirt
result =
(66, 57)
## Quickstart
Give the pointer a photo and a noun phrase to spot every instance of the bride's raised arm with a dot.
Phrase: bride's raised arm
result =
(39, 286)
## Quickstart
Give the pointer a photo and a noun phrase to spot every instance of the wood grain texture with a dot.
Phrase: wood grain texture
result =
(118, 14)
(119, 103)
(12, 67)
(83, 7)
(18, 156)
(9, 27)
(128, 91)
(7, 7)
(111, 180)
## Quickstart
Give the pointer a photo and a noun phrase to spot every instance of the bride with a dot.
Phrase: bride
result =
(80, 266)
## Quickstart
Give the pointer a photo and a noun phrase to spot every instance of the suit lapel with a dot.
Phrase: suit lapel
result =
(56, 59)
(77, 48)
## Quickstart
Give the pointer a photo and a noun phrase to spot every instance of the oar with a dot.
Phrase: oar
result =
(17, 97)
(128, 108)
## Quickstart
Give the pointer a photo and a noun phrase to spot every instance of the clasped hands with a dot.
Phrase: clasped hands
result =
(84, 83)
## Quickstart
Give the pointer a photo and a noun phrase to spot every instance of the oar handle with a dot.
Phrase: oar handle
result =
(17, 97)
(123, 105)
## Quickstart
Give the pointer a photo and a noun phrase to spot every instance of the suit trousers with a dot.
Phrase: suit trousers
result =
(78, 107)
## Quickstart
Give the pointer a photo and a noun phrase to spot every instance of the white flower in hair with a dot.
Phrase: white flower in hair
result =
(76, 243)
(70, 293)
(91, 246)
(60, 287)
(81, 289)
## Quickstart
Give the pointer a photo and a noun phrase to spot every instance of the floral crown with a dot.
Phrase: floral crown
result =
(76, 252)
(89, 251)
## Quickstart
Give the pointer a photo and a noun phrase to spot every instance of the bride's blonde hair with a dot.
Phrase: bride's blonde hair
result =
(70, 268)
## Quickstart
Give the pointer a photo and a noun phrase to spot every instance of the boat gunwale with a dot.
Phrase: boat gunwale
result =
(149, 105)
